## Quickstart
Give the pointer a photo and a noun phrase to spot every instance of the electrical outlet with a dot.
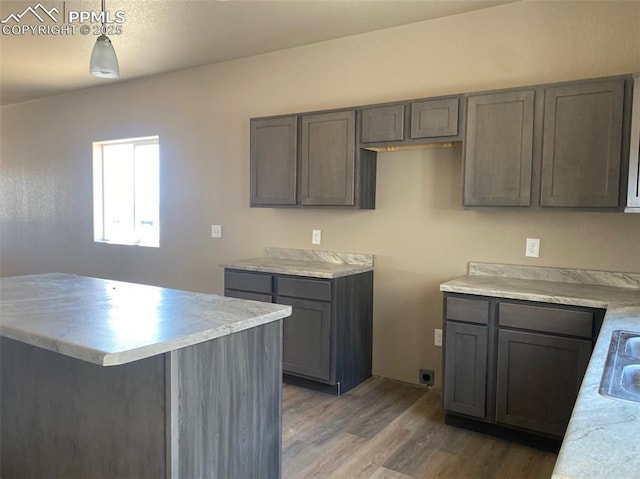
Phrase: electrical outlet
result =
(216, 231)
(316, 236)
(437, 337)
(533, 247)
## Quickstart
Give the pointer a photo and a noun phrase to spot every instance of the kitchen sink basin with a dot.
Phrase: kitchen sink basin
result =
(632, 347)
(621, 377)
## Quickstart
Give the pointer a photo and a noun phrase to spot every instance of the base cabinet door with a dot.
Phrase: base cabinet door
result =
(538, 378)
(307, 339)
(465, 369)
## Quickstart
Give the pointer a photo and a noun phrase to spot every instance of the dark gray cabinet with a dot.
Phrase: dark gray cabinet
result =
(382, 123)
(273, 161)
(466, 374)
(307, 339)
(633, 191)
(410, 123)
(434, 118)
(515, 364)
(498, 151)
(327, 340)
(328, 159)
(310, 160)
(549, 146)
(538, 379)
(582, 144)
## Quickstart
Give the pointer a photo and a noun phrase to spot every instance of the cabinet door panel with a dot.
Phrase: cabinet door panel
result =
(633, 193)
(328, 159)
(538, 379)
(383, 123)
(499, 149)
(434, 118)
(273, 161)
(307, 339)
(465, 377)
(582, 141)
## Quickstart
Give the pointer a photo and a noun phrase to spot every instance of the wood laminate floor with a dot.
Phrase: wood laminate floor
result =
(384, 429)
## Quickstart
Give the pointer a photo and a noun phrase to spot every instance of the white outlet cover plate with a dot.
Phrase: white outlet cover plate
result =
(316, 236)
(216, 231)
(533, 247)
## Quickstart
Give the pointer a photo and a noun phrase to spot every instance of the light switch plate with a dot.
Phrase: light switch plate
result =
(316, 236)
(216, 231)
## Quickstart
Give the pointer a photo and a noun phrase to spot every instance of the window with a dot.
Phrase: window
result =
(126, 191)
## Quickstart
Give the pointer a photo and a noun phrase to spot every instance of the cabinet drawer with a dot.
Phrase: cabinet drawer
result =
(304, 288)
(468, 310)
(230, 293)
(550, 320)
(256, 283)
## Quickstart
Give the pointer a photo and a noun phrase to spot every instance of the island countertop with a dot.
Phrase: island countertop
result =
(109, 322)
(601, 439)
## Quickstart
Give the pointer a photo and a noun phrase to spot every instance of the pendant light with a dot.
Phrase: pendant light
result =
(104, 63)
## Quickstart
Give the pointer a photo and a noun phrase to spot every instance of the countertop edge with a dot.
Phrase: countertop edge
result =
(302, 270)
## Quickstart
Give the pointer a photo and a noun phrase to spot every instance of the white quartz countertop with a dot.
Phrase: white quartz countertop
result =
(602, 439)
(312, 263)
(112, 322)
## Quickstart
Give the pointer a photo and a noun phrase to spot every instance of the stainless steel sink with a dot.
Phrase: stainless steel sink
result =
(621, 377)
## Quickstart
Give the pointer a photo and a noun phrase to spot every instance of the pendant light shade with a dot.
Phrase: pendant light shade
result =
(104, 63)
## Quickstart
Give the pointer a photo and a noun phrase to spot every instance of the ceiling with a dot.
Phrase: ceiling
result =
(163, 36)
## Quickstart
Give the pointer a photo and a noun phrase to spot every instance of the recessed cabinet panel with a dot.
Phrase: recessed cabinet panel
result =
(385, 123)
(273, 161)
(538, 379)
(499, 149)
(434, 118)
(307, 339)
(582, 141)
(465, 368)
(328, 159)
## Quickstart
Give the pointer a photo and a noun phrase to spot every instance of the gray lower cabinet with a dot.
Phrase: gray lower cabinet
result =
(538, 379)
(307, 339)
(466, 375)
(327, 340)
(498, 150)
(515, 364)
(549, 146)
(633, 192)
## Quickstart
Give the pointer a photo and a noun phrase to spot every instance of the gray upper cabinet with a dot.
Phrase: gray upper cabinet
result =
(327, 159)
(434, 118)
(499, 149)
(550, 146)
(633, 192)
(582, 141)
(382, 123)
(273, 161)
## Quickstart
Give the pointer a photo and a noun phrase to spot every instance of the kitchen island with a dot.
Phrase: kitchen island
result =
(601, 438)
(108, 379)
